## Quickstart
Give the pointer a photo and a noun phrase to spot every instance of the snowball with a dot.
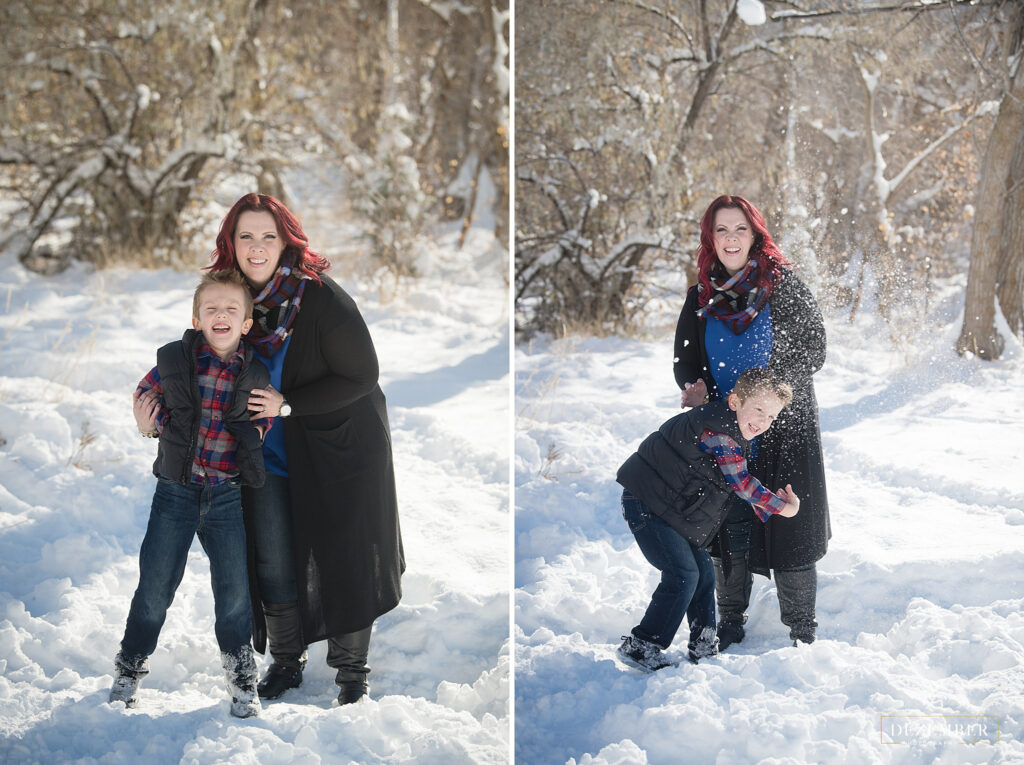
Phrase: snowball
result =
(751, 12)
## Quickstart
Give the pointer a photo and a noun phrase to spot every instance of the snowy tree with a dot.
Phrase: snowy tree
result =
(470, 134)
(997, 243)
(119, 121)
(110, 124)
(852, 128)
(1010, 271)
(608, 155)
(386, 192)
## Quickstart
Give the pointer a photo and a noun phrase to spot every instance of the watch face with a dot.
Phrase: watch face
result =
(286, 409)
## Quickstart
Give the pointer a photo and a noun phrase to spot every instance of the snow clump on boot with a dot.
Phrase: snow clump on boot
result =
(240, 673)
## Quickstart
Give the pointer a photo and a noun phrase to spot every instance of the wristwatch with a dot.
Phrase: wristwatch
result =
(286, 409)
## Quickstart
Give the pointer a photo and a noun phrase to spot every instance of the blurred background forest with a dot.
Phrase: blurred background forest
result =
(882, 139)
(122, 118)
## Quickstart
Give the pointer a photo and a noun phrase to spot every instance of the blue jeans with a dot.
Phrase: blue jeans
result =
(271, 525)
(179, 513)
(687, 576)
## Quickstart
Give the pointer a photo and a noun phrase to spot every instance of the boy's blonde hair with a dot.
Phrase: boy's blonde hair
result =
(758, 380)
(226, 276)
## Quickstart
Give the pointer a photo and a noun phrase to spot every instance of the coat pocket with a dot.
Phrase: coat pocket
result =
(699, 514)
(336, 452)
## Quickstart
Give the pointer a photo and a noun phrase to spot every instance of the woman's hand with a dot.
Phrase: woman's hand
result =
(792, 501)
(694, 394)
(265, 402)
(145, 408)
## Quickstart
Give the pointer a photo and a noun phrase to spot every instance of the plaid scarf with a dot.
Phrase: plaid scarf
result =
(737, 300)
(274, 311)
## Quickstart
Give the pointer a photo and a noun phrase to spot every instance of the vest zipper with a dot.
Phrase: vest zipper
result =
(186, 470)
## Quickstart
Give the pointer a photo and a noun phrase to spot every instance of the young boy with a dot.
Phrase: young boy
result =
(677, 489)
(195, 401)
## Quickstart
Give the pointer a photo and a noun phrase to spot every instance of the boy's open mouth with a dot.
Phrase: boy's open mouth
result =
(221, 329)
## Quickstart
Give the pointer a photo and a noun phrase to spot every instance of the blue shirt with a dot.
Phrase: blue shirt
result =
(730, 355)
(274, 457)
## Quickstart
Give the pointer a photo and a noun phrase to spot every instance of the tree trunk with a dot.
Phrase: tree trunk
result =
(1010, 272)
(391, 64)
(878, 244)
(707, 78)
(498, 161)
(979, 334)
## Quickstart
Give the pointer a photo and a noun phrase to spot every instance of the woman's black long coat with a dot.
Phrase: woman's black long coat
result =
(791, 449)
(346, 538)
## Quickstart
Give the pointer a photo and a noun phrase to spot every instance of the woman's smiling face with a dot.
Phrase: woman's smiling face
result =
(733, 237)
(258, 246)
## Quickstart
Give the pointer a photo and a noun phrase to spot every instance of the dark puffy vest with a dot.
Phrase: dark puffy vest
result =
(176, 363)
(677, 480)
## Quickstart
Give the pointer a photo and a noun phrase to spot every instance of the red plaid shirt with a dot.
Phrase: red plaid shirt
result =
(214, 459)
(730, 458)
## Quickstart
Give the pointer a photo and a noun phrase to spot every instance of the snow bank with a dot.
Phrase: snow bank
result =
(920, 594)
(75, 490)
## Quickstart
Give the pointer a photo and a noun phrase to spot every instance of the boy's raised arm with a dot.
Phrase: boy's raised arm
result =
(729, 456)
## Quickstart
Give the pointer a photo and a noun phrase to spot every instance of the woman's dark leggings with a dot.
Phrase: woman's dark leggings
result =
(275, 571)
(797, 587)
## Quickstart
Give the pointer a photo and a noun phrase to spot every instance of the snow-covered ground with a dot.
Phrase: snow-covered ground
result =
(75, 490)
(921, 637)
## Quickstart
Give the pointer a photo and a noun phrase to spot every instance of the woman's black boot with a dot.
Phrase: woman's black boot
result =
(732, 592)
(287, 649)
(347, 653)
(798, 591)
(733, 580)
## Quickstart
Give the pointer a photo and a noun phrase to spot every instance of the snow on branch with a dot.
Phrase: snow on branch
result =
(767, 45)
(9, 156)
(612, 262)
(49, 202)
(930, 149)
(662, 13)
(835, 135)
(446, 8)
(90, 81)
(548, 187)
(911, 6)
(149, 181)
(500, 67)
(885, 188)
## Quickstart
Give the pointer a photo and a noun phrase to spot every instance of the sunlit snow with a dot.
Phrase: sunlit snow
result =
(75, 490)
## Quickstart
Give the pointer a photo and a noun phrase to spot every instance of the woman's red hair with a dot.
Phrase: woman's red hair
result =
(296, 251)
(770, 260)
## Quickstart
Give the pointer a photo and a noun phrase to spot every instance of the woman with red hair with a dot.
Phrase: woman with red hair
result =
(325, 547)
(749, 309)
